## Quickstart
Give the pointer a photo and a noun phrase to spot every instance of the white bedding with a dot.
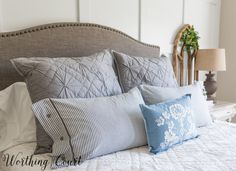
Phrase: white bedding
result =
(214, 150)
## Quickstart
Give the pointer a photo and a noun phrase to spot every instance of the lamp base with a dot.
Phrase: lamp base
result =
(210, 86)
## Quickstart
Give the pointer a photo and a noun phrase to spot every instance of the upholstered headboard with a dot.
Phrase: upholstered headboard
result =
(64, 40)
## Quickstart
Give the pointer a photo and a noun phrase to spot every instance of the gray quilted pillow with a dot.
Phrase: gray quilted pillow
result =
(66, 77)
(86, 128)
(134, 71)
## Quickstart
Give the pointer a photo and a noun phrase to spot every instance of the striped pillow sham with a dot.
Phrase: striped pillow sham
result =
(86, 128)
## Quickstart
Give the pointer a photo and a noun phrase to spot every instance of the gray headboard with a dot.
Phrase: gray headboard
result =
(64, 40)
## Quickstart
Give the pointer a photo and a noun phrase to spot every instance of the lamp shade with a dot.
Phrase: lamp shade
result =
(210, 60)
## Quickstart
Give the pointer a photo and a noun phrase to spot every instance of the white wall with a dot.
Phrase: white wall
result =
(120, 14)
(1, 19)
(156, 21)
(160, 20)
(227, 80)
(18, 14)
(205, 16)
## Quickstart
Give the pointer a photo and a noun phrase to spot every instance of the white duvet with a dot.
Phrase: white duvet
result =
(214, 150)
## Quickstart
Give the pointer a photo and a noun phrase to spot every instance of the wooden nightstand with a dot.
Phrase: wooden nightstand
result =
(223, 111)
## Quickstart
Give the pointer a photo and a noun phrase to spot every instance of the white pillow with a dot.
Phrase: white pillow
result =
(152, 95)
(17, 124)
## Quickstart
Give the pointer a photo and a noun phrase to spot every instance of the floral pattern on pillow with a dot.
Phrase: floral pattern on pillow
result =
(169, 123)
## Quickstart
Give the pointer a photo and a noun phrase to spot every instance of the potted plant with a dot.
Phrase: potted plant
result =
(189, 40)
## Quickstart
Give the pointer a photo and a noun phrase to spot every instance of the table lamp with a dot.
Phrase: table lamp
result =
(210, 60)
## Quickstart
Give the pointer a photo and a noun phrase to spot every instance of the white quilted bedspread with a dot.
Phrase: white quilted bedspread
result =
(214, 150)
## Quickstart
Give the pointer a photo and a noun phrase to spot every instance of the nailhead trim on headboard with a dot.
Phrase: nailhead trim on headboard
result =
(64, 40)
(57, 25)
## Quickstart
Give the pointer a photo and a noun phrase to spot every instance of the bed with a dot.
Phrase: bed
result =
(215, 149)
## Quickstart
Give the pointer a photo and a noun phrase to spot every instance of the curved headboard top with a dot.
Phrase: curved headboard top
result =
(64, 40)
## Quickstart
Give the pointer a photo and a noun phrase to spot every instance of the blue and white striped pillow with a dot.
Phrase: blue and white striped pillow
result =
(86, 128)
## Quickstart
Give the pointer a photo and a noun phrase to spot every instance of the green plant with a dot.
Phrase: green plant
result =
(189, 39)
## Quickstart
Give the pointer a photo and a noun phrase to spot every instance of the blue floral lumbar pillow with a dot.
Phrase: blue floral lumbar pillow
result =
(169, 123)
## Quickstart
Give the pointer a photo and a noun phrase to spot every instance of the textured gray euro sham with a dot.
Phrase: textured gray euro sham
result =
(67, 77)
(134, 71)
(88, 128)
